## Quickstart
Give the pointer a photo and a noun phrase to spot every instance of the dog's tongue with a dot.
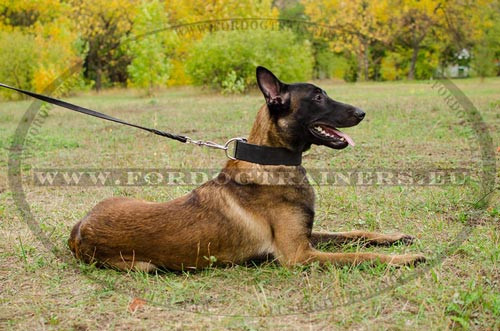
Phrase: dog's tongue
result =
(343, 135)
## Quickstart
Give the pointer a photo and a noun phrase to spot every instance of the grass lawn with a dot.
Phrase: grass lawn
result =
(408, 126)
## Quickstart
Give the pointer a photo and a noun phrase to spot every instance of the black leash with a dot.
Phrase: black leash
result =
(90, 112)
(243, 151)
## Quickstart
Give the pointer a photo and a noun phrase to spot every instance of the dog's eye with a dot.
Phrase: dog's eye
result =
(318, 97)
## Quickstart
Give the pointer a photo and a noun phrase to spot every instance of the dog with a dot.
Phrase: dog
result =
(233, 219)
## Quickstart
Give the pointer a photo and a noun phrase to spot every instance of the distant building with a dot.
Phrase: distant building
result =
(461, 68)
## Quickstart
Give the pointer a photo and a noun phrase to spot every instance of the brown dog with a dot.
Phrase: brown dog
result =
(235, 218)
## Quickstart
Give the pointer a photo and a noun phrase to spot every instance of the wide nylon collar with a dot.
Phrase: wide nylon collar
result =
(266, 155)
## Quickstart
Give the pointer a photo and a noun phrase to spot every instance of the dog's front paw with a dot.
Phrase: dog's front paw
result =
(407, 259)
(391, 239)
(402, 238)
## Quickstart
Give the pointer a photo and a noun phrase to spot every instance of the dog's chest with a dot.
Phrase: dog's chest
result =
(254, 230)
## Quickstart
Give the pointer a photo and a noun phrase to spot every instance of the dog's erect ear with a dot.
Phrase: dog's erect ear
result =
(274, 90)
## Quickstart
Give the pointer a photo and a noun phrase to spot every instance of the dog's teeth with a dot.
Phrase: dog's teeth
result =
(324, 133)
(343, 139)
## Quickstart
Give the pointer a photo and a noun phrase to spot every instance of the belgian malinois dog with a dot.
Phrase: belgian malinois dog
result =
(232, 218)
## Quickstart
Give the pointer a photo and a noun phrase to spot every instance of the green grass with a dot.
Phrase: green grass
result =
(408, 126)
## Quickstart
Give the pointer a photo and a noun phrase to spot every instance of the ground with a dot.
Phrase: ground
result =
(408, 127)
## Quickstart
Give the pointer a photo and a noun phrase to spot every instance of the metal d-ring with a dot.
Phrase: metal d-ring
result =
(226, 146)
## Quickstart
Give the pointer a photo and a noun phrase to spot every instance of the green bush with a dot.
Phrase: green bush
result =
(16, 62)
(351, 72)
(324, 61)
(339, 66)
(332, 65)
(226, 60)
(150, 66)
(427, 64)
(394, 66)
(233, 84)
(483, 60)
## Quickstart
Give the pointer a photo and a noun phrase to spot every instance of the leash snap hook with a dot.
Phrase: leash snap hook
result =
(202, 143)
(211, 144)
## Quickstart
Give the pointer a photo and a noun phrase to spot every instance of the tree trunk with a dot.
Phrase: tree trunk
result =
(365, 62)
(98, 78)
(360, 65)
(414, 56)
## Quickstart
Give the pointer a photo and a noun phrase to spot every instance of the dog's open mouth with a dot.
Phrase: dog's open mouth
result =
(331, 136)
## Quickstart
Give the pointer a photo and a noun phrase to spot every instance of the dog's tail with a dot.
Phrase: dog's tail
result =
(75, 240)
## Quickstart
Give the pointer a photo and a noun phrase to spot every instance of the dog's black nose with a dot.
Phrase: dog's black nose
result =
(359, 113)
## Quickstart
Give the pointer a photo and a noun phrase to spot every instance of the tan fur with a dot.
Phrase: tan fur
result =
(225, 221)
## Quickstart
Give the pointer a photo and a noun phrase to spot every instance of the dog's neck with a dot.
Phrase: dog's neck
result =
(265, 131)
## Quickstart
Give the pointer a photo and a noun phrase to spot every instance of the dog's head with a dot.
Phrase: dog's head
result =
(305, 115)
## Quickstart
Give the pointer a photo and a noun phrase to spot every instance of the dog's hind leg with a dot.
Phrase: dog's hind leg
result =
(131, 265)
(364, 237)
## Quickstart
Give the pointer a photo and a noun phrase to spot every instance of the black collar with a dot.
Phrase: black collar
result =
(266, 155)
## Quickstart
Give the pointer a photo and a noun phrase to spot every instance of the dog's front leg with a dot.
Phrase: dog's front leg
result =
(308, 256)
(366, 238)
(296, 249)
(340, 259)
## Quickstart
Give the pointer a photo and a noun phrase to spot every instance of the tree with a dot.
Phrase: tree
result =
(181, 12)
(357, 26)
(227, 59)
(25, 14)
(150, 66)
(16, 65)
(475, 26)
(412, 21)
(45, 42)
(103, 25)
